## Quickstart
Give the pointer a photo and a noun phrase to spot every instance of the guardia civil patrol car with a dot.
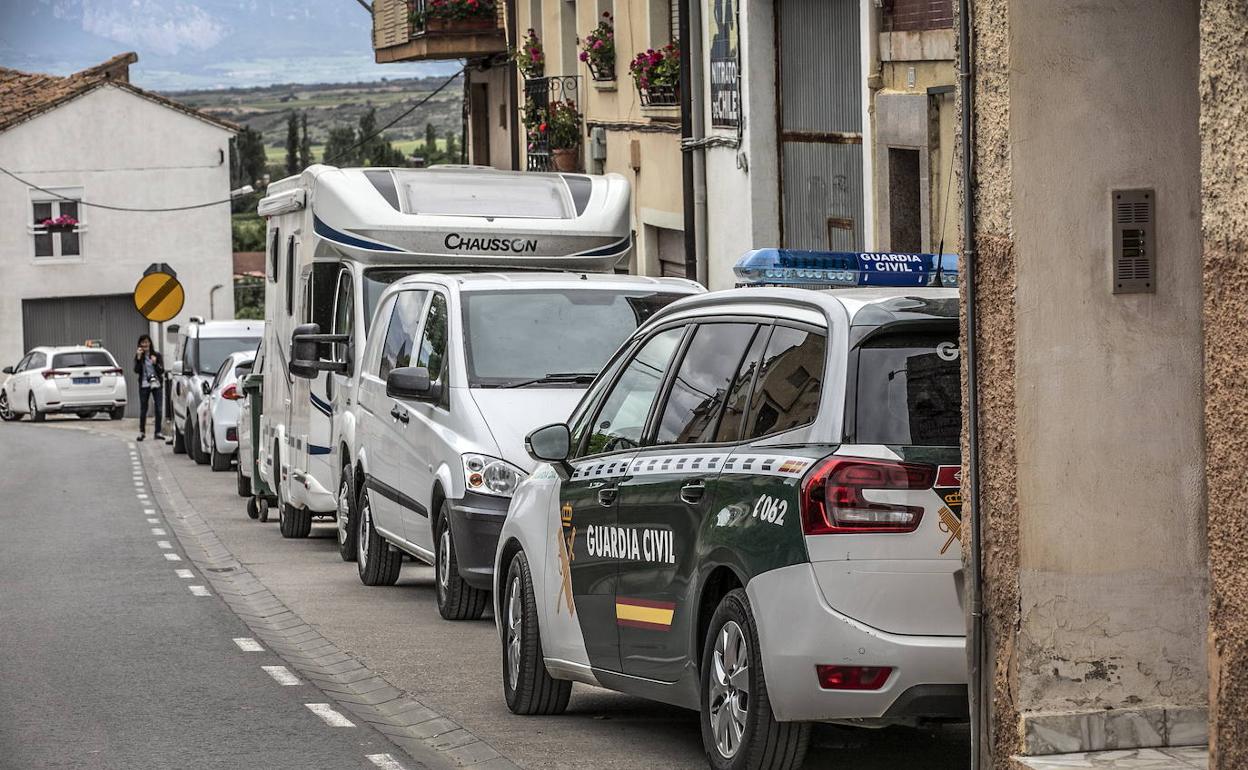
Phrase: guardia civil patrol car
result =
(754, 512)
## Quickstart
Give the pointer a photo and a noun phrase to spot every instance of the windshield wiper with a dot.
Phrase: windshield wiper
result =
(577, 378)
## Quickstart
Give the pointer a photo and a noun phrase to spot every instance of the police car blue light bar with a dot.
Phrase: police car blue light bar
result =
(827, 269)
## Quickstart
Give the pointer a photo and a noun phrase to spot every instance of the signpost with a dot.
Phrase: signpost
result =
(159, 296)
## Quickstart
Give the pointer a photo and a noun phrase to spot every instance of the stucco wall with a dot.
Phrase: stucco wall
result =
(121, 149)
(1224, 133)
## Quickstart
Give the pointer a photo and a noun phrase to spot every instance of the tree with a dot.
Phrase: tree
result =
(452, 148)
(369, 144)
(247, 158)
(292, 144)
(431, 141)
(339, 147)
(305, 144)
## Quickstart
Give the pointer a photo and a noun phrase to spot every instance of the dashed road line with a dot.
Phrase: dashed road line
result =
(141, 495)
(163, 544)
(185, 574)
(385, 761)
(151, 520)
(173, 557)
(282, 676)
(200, 590)
(149, 511)
(158, 531)
(328, 715)
(247, 644)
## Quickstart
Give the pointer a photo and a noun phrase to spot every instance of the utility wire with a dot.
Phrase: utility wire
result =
(164, 209)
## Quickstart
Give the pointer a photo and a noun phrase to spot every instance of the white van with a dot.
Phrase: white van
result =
(460, 369)
(203, 347)
(337, 237)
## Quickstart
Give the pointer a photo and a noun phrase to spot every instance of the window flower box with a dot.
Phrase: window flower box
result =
(61, 224)
(656, 73)
(453, 16)
(598, 50)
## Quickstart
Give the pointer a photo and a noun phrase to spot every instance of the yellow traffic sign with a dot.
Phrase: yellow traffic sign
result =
(158, 296)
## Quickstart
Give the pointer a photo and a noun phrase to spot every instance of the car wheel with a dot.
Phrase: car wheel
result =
(35, 414)
(179, 442)
(253, 508)
(294, 522)
(739, 731)
(219, 460)
(243, 483)
(346, 516)
(378, 563)
(117, 412)
(456, 599)
(6, 412)
(193, 446)
(528, 686)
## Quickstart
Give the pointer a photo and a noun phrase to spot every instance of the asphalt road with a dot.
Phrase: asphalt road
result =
(107, 658)
(453, 668)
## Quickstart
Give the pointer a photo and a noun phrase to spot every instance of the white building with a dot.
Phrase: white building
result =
(93, 136)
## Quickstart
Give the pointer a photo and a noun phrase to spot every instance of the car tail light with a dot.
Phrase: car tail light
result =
(833, 501)
(231, 393)
(50, 373)
(852, 677)
(231, 434)
(114, 371)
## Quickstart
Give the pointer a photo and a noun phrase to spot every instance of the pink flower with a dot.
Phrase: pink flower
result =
(584, 56)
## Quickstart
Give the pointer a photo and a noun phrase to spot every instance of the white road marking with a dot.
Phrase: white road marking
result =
(199, 590)
(153, 520)
(384, 761)
(163, 544)
(158, 531)
(282, 676)
(173, 557)
(185, 574)
(141, 496)
(247, 644)
(330, 717)
(150, 511)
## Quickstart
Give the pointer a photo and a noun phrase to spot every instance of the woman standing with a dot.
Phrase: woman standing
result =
(149, 365)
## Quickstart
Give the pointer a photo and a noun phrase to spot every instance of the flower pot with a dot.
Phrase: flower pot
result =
(601, 72)
(60, 228)
(471, 24)
(566, 159)
(660, 96)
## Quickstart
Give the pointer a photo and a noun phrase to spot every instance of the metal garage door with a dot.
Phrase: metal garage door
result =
(110, 318)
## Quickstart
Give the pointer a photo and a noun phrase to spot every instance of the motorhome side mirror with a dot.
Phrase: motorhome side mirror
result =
(303, 352)
(412, 383)
(551, 444)
(7, 370)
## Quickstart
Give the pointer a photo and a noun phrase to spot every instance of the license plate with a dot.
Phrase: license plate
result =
(86, 380)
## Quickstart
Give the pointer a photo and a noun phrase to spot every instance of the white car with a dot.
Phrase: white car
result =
(457, 369)
(77, 380)
(204, 345)
(219, 409)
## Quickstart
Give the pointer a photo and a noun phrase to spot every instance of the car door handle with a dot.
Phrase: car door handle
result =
(692, 492)
(606, 496)
(399, 413)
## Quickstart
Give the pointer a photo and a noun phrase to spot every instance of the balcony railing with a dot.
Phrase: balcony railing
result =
(539, 95)
(414, 30)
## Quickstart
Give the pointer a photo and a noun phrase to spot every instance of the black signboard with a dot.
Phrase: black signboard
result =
(725, 66)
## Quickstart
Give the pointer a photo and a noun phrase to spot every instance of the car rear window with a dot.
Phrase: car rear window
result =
(909, 390)
(85, 358)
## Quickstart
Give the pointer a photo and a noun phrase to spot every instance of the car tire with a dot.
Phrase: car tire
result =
(117, 412)
(179, 442)
(241, 482)
(253, 508)
(377, 563)
(193, 447)
(219, 461)
(35, 414)
(6, 412)
(456, 599)
(294, 522)
(736, 737)
(346, 516)
(528, 687)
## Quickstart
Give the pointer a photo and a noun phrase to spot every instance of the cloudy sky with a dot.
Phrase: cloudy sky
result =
(200, 43)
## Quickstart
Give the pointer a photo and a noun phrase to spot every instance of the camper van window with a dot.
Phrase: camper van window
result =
(375, 282)
(344, 304)
(451, 193)
(578, 329)
(274, 253)
(401, 332)
(319, 305)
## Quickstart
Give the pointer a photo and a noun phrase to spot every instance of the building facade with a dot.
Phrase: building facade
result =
(94, 137)
(1111, 258)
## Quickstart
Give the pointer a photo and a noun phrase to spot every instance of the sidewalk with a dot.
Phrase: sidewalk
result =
(1177, 758)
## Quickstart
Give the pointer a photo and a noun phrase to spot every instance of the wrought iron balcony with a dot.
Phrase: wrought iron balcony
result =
(418, 30)
(539, 95)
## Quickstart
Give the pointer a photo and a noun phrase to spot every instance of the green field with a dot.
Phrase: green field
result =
(277, 155)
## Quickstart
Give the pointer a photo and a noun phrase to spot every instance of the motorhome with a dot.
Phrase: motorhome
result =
(336, 238)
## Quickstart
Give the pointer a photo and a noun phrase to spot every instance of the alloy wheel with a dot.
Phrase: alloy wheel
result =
(515, 622)
(730, 689)
(6, 412)
(444, 560)
(344, 509)
(366, 525)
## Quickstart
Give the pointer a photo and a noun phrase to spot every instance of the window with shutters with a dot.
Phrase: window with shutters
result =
(56, 223)
(664, 22)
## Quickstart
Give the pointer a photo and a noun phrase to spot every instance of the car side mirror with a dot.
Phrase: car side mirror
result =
(7, 370)
(551, 444)
(412, 383)
(305, 357)
(181, 367)
(206, 387)
(242, 369)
